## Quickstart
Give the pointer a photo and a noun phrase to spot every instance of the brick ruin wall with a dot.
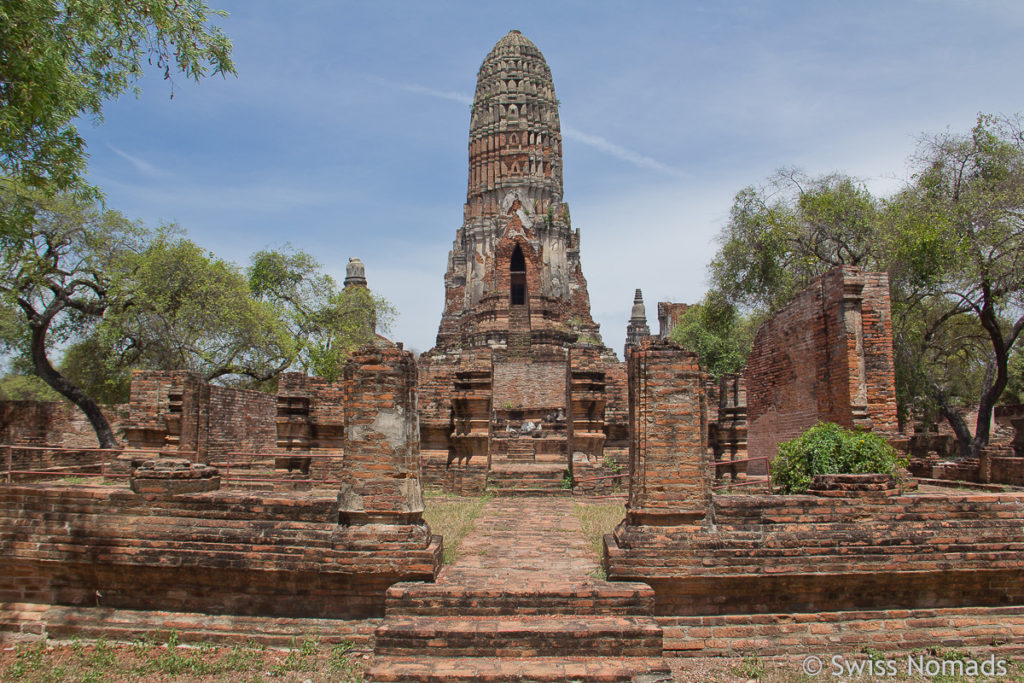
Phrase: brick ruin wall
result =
(53, 423)
(223, 552)
(827, 356)
(302, 555)
(519, 384)
(736, 573)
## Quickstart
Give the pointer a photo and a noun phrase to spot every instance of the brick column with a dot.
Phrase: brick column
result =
(670, 477)
(381, 470)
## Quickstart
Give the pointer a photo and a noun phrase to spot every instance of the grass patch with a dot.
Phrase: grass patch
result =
(598, 519)
(73, 480)
(102, 661)
(453, 517)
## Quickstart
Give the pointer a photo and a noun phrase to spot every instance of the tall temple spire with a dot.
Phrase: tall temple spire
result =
(514, 275)
(515, 140)
(637, 328)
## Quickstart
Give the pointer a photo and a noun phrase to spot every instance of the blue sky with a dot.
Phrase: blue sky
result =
(345, 132)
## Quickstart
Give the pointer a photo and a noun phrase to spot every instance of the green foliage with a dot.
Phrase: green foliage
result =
(827, 448)
(18, 387)
(97, 369)
(178, 307)
(325, 323)
(1015, 385)
(62, 61)
(951, 242)
(780, 236)
(751, 668)
(720, 335)
(957, 278)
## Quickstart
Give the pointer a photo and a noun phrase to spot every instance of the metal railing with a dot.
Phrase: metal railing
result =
(79, 469)
(102, 466)
(759, 481)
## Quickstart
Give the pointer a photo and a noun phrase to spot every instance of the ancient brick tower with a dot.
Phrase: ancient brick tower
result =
(519, 372)
(514, 274)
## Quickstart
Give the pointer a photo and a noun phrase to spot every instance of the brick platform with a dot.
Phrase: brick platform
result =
(520, 604)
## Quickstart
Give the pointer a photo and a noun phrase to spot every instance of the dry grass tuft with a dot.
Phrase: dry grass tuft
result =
(452, 517)
(597, 520)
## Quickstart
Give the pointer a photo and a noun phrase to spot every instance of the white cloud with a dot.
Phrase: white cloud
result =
(621, 153)
(140, 165)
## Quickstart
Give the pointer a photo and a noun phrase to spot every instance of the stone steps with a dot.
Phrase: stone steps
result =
(520, 636)
(429, 669)
(625, 598)
(525, 479)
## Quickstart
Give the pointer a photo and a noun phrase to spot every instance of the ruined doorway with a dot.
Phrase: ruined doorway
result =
(517, 272)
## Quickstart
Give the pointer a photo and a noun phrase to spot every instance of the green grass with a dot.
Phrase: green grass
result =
(103, 661)
(452, 517)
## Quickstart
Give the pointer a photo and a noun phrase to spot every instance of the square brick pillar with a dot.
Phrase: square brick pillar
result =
(381, 467)
(670, 472)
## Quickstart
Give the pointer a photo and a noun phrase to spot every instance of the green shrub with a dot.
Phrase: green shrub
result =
(827, 448)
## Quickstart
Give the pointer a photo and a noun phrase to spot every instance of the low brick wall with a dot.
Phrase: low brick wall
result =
(805, 554)
(53, 423)
(835, 632)
(221, 552)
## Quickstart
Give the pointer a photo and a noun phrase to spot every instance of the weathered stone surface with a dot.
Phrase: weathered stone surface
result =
(670, 477)
(381, 473)
(171, 476)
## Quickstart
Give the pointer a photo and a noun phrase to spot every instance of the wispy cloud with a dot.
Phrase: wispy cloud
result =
(451, 95)
(621, 153)
(596, 141)
(141, 165)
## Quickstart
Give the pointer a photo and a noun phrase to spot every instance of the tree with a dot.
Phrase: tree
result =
(718, 332)
(952, 242)
(326, 323)
(58, 277)
(958, 264)
(177, 307)
(782, 235)
(62, 60)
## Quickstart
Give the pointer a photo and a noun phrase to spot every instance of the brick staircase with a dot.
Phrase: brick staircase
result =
(521, 450)
(527, 479)
(519, 606)
(589, 632)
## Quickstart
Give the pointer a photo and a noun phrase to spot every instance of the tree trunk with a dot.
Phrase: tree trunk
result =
(60, 384)
(956, 421)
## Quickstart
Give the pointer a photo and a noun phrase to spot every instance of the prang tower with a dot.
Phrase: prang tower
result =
(519, 386)
(514, 276)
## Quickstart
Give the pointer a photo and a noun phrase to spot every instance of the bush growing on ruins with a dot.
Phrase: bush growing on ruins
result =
(827, 448)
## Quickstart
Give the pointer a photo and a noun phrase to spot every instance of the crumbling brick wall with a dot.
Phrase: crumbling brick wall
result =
(527, 384)
(827, 356)
(178, 410)
(53, 423)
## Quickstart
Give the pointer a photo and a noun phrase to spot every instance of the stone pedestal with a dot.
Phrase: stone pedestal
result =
(170, 476)
(670, 475)
(381, 472)
(854, 486)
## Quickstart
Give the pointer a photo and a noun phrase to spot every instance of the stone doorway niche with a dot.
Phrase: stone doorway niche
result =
(517, 271)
